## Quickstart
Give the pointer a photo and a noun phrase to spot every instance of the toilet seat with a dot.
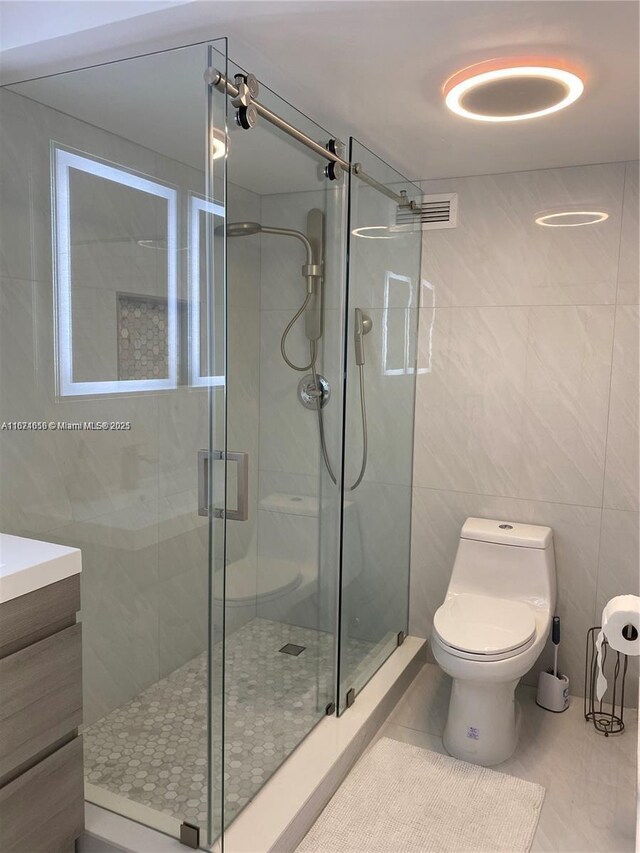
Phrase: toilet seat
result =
(480, 627)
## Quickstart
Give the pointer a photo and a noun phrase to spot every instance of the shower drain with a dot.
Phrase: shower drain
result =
(292, 649)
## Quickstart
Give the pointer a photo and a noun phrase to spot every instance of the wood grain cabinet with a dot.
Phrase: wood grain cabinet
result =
(41, 774)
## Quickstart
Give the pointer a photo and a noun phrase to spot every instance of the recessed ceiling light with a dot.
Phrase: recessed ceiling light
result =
(511, 90)
(571, 218)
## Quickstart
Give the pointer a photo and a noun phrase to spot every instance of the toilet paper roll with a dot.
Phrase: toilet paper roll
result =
(620, 612)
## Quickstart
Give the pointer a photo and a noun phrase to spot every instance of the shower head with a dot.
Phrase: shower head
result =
(243, 229)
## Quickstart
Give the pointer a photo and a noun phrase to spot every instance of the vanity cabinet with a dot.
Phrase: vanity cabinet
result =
(41, 772)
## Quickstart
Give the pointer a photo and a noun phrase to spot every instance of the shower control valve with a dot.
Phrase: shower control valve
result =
(313, 395)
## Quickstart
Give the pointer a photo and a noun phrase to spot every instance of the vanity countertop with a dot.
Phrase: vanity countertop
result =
(29, 564)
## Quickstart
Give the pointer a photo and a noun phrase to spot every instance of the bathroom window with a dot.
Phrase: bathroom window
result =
(114, 230)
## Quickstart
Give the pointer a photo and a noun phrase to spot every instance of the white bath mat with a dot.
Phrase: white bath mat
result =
(403, 799)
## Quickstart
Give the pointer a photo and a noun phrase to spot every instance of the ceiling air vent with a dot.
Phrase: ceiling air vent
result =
(436, 211)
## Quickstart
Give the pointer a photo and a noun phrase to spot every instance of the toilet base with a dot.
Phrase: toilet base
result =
(483, 721)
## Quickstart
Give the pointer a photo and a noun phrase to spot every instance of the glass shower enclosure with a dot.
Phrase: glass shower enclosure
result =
(219, 332)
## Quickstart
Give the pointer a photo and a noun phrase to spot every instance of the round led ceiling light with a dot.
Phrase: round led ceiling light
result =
(511, 90)
(571, 218)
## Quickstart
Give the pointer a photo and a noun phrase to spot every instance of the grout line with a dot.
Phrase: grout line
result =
(507, 497)
(420, 181)
(411, 729)
(609, 398)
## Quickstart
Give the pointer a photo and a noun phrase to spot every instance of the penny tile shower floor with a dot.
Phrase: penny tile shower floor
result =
(153, 750)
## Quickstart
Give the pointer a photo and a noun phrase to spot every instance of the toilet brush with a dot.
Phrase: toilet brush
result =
(553, 687)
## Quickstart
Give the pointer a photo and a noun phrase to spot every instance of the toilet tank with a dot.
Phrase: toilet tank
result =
(505, 559)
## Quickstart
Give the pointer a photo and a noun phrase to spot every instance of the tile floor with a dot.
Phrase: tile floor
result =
(590, 804)
(153, 750)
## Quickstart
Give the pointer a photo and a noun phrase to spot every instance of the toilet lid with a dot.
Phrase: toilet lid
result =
(481, 624)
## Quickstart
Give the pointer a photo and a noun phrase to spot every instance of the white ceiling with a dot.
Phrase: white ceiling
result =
(375, 69)
(27, 23)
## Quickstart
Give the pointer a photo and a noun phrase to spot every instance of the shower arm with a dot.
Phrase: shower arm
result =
(310, 270)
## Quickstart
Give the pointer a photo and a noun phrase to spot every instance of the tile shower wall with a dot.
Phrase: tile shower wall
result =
(527, 398)
(128, 499)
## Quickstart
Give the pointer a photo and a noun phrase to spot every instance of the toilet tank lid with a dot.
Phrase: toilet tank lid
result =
(507, 533)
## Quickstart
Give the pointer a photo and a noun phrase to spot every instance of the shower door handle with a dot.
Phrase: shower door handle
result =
(241, 513)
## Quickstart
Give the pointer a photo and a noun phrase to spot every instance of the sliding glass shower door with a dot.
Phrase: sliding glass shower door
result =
(113, 334)
(284, 288)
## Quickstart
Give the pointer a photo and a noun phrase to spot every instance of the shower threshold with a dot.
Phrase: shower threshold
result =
(281, 812)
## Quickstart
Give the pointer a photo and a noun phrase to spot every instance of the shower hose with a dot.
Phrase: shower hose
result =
(313, 355)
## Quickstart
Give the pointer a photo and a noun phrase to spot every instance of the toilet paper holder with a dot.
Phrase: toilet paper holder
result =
(607, 714)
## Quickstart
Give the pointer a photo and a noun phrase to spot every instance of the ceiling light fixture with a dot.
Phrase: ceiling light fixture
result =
(511, 90)
(571, 218)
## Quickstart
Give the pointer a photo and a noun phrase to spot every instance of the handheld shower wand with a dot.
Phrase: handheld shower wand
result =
(362, 326)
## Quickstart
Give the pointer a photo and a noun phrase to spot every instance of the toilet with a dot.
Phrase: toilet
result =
(490, 630)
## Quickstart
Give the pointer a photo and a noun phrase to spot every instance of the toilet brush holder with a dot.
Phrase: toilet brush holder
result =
(553, 687)
(553, 691)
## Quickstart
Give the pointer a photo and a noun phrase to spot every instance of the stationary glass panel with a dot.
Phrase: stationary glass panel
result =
(382, 324)
(109, 317)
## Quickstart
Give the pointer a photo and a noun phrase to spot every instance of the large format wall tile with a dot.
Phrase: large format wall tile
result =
(498, 255)
(618, 563)
(469, 406)
(629, 269)
(25, 237)
(566, 403)
(288, 431)
(621, 472)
